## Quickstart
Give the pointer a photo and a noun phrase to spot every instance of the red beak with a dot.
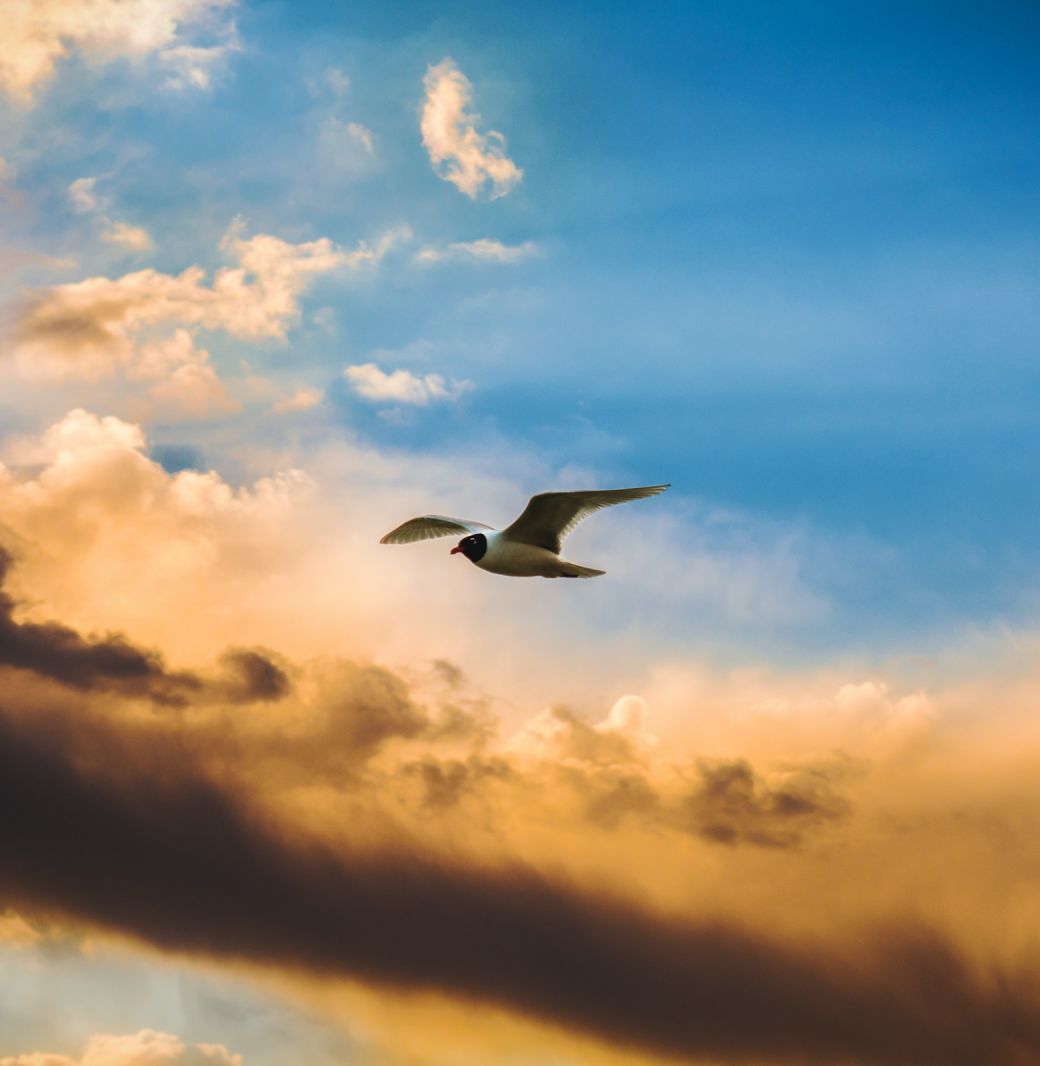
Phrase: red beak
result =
(455, 550)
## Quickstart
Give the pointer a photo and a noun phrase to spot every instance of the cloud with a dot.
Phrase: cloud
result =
(40, 33)
(143, 1048)
(732, 804)
(361, 134)
(104, 534)
(86, 200)
(112, 663)
(471, 161)
(301, 400)
(485, 249)
(178, 860)
(402, 386)
(133, 238)
(82, 195)
(192, 66)
(91, 327)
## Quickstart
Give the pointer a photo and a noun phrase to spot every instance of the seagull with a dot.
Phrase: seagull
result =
(530, 547)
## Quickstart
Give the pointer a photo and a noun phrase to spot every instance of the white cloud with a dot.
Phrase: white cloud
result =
(300, 400)
(86, 200)
(401, 386)
(458, 153)
(485, 248)
(133, 238)
(193, 66)
(361, 134)
(337, 81)
(144, 1048)
(82, 195)
(39, 33)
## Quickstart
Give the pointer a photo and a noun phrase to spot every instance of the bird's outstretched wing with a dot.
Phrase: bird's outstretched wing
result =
(431, 525)
(550, 516)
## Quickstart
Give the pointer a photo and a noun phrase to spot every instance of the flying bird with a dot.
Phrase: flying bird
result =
(530, 547)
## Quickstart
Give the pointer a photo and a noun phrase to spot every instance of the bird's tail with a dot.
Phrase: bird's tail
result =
(573, 570)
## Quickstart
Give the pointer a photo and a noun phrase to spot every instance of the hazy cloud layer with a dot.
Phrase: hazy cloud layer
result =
(471, 161)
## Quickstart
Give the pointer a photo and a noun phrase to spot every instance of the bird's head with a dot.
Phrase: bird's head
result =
(473, 547)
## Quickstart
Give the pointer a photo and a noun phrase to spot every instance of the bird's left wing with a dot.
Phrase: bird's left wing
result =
(428, 526)
(550, 516)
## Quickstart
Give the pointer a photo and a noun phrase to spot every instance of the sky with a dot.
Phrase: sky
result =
(276, 277)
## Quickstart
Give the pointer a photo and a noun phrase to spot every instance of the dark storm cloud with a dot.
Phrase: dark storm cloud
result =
(111, 663)
(150, 847)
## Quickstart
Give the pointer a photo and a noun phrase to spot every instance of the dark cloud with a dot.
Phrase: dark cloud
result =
(446, 782)
(253, 676)
(71, 329)
(111, 663)
(150, 847)
(732, 804)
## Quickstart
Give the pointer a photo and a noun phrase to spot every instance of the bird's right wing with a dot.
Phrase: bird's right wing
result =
(428, 526)
(550, 516)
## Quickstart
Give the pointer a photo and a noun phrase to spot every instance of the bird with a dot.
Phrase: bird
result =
(530, 546)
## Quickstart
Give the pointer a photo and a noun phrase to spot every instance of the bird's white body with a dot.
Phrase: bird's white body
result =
(514, 559)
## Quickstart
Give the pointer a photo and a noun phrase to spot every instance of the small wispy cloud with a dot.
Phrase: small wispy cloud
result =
(361, 134)
(402, 386)
(194, 67)
(86, 200)
(133, 238)
(471, 161)
(82, 195)
(300, 400)
(485, 248)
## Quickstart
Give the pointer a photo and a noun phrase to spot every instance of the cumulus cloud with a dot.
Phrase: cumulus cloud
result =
(143, 1048)
(485, 249)
(93, 327)
(40, 33)
(471, 161)
(402, 386)
(129, 535)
